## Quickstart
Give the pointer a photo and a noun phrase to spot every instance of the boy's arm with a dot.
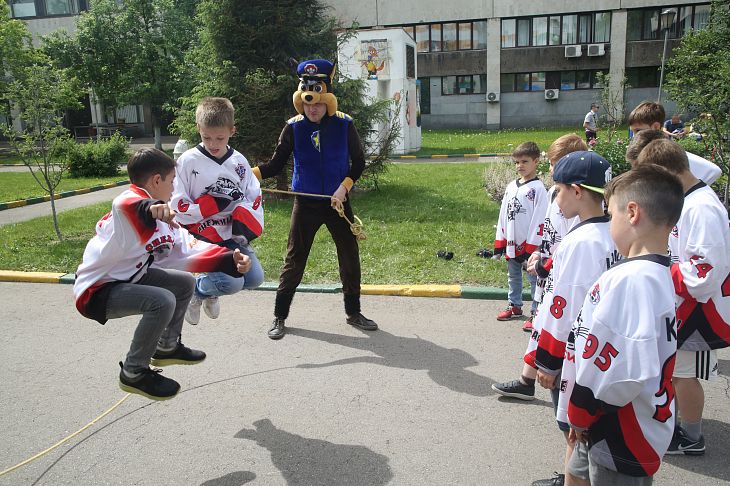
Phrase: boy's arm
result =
(500, 240)
(283, 150)
(247, 218)
(537, 219)
(193, 255)
(703, 169)
(188, 210)
(708, 263)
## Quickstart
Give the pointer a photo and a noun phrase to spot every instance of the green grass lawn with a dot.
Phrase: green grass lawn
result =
(21, 185)
(419, 209)
(494, 141)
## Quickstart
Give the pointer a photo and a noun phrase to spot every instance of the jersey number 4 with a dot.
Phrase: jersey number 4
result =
(605, 357)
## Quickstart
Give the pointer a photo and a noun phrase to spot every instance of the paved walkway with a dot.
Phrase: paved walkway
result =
(410, 404)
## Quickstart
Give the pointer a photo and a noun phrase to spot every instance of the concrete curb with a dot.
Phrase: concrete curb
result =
(459, 156)
(427, 290)
(61, 195)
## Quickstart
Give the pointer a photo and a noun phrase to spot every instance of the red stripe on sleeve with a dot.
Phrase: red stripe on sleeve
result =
(131, 208)
(718, 325)
(208, 205)
(210, 259)
(529, 359)
(679, 287)
(241, 214)
(554, 347)
(500, 243)
(530, 248)
(635, 440)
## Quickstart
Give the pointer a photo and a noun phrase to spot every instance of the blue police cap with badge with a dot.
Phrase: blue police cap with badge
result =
(315, 85)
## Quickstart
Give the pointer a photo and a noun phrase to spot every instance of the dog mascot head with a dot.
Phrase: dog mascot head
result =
(315, 85)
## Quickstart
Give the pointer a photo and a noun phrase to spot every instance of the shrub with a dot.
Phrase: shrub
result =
(496, 177)
(615, 153)
(101, 158)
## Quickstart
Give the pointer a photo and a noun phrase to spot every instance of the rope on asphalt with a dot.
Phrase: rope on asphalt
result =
(356, 227)
(41, 454)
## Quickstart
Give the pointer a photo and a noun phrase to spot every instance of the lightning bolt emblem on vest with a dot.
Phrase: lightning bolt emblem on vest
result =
(315, 140)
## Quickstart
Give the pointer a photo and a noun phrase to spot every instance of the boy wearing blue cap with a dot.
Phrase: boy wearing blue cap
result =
(328, 159)
(585, 252)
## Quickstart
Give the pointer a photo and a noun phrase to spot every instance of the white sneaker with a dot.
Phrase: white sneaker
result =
(192, 315)
(212, 307)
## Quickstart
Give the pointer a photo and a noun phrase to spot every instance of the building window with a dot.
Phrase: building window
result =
(480, 35)
(425, 84)
(464, 36)
(585, 28)
(480, 83)
(554, 25)
(410, 62)
(567, 80)
(570, 29)
(522, 82)
(537, 81)
(645, 24)
(448, 85)
(435, 38)
(22, 8)
(523, 32)
(643, 77)
(422, 38)
(539, 31)
(507, 83)
(448, 32)
(464, 84)
(410, 30)
(61, 7)
(602, 27)
(509, 33)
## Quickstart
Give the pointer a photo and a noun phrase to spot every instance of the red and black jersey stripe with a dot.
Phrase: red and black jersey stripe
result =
(704, 319)
(550, 351)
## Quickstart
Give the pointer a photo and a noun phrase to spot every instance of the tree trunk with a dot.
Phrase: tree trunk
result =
(53, 212)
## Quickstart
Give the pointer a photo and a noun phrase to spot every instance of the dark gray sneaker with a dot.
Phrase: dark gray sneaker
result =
(515, 389)
(361, 322)
(557, 480)
(681, 444)
(277, 330)
(150, 383)
(181, 355)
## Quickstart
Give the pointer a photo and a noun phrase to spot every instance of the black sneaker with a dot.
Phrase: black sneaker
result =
(150, 383)
(277, 330)
(681, 444)
(557, 480)
(182, 355)
(361, 322)
(515, 389)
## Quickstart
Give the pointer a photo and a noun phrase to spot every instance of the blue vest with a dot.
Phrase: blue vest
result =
(321, 156)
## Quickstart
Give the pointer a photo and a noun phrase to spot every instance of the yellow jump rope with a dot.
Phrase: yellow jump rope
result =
(356, 227)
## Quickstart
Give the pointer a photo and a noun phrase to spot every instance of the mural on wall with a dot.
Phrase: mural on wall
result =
(375, 58)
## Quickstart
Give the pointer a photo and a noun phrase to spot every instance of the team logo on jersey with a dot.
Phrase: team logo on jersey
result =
(595, 295)
(675, 231)
(241, 170)
(182, 206)
(514, 207)
(226, 188)
(315, 140)
(531, 194)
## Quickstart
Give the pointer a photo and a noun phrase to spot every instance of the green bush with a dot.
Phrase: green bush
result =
(615, 153)
(98, 158)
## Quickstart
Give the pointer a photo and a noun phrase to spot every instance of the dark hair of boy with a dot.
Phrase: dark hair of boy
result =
(215, 113)
(648, 112)
(527, 149)
(656, 190)
(641, 140)
(147, 162)
(665, 153)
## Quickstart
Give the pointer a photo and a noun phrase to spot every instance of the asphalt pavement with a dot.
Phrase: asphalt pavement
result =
(410, 404)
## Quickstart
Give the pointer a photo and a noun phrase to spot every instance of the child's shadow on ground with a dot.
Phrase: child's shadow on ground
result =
(446, 367)
(714, 463)
(304, 461)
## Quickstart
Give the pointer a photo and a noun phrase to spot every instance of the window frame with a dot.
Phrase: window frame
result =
(581, 18)
(676, 31)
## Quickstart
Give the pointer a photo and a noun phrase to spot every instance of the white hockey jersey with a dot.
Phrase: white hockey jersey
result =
(703, 169)
(522, 212)
(584, 254)
(128, 241)
(700, 249)
(217, 200)
(617, 375)
(552, 231)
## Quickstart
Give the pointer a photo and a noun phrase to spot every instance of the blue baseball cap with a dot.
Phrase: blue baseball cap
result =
(585, 168)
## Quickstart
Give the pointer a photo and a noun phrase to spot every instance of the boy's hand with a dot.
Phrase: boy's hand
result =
(577, 436)
(242, 262)
(163, 213)
(339, 197)
(531, 262)
(546, 380)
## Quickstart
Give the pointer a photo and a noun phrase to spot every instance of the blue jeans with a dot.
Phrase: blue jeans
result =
(215, 284)
(514, 272)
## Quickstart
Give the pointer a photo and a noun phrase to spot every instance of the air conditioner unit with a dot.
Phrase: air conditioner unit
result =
(573, 51)
(493, 97)
(596, 49)
(552, 94)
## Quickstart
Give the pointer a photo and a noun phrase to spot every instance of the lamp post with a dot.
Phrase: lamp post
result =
(667, 19)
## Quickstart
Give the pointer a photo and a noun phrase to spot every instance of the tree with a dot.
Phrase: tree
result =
(41, 94)
(247, 51)
(698, 80)
(613, 100)
(131, 52)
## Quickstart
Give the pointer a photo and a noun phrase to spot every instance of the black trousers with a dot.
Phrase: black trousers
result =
(307, 216)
